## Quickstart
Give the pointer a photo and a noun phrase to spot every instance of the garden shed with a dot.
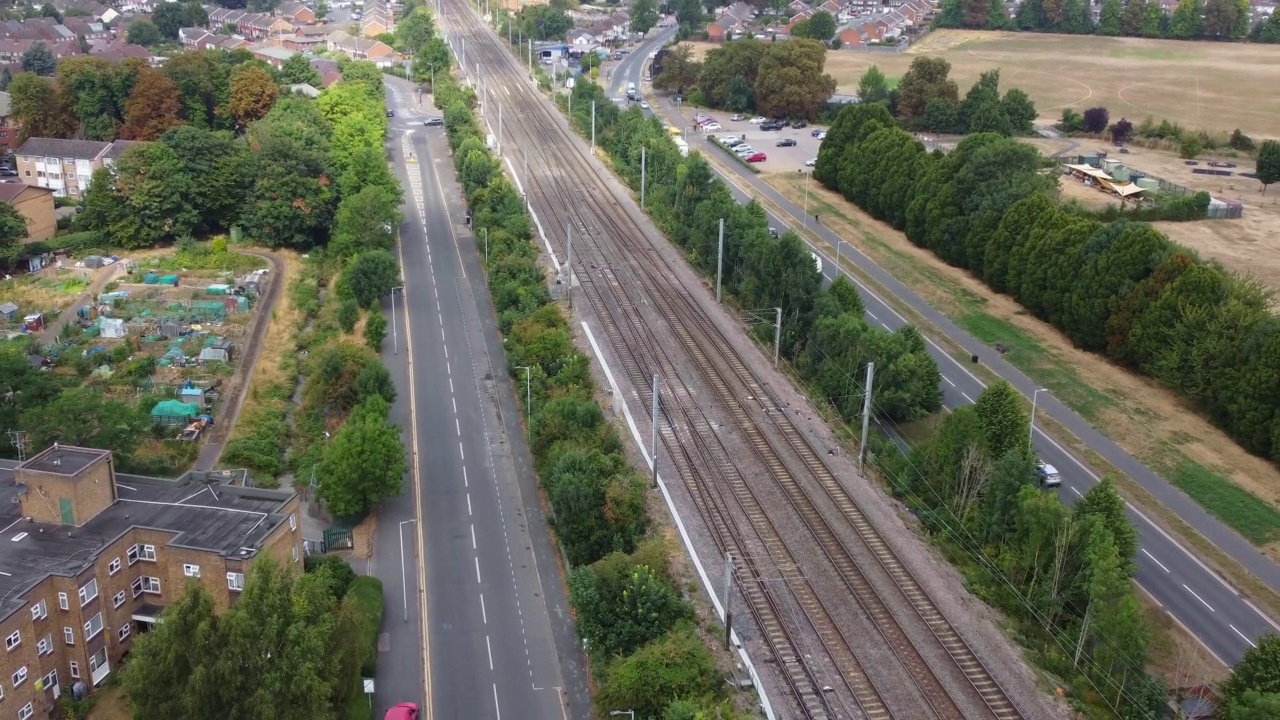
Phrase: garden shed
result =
(8, 311)
(191, 394)
(219, 349)
(173, 412)
(113, 327)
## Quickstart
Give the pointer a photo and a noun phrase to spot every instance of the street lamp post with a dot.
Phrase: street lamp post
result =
(1031, 431)
(395, 336)
(528, 396)
(404, 581)
(486, 249)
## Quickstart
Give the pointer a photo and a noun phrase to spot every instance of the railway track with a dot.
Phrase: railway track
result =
(699, 457)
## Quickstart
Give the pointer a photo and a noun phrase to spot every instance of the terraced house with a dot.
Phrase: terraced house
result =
(90, 559)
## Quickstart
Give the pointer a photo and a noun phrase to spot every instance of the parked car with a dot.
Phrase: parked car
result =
(730, 140)
(743, 150)
(799, 125)
(1049, 476)
(811, 162)
(773, 232)
(771, 125)
(787, 142)
(822, 135)
(434, 122)
(757, 120)
(403, 711)
(712, 127)
(391, 113)
(816, 132)
(644, 104)
(738, 117)
(757, 157)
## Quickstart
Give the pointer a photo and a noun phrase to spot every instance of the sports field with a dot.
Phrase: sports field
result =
(1215, 86)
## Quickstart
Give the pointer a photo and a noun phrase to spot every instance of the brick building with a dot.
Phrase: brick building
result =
(90, 560)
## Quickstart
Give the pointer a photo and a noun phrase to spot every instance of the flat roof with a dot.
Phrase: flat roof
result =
(230, 520)
(63, 460)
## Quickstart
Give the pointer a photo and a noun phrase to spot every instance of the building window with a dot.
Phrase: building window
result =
(235, 581)
(124, 630)
(75, 670)
(69, 635)
(62, 601)
(40, 610)
(27, 173)
(88, 592)
(114, 566)
(149, 585)
(27, 712)
(147, 552)
(137, 587)
(70, 161)
(50, 161)
(45, 646)
(191, 570)
(295, 553)
(93, 627)
(51, 680)
(13, 640)
(132, 554)
(20, 676)
(293, 522)
(118, 600)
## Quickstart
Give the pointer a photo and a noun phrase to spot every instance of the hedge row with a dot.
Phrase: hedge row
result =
(645, 652)
(1121, 289)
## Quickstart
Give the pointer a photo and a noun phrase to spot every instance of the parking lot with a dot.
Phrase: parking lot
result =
(780, 159)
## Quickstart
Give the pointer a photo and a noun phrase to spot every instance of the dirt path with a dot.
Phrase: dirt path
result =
(105, 275)
(251, 349)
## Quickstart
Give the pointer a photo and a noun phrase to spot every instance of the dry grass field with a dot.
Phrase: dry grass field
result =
(1216, 86)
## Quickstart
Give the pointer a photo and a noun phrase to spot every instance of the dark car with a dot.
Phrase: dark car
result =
(434, 122)
(816, 132)
(787, 142)
(799, 124)
(771, 126)
(391, 113)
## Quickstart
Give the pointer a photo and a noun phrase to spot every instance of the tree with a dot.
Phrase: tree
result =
(39, 59)
(365, 221)
(677, 665)
(96, 91)
(1111, 18)
(170, 671)
(252, 93)
(1268, 169)
(37, 109)
(203, 79)
(1186, 22)
(1257, 671)
(791, 82)
(153, 106)
(925, 80)
(217, 171)
(821, 26)
(297, 69)
(375, 329)
(414, 30)
(622, 604)
(85, 418)
(363, 463)
(145, 33)
(1005, 427)
(1105, 505)
(1254, 705)
(644, 15)
(371, 277)
(13, 229)
(1121, 131)
(1190, 146)
(680, 72)
(729, 73)
(1019, 112)
(1096, 119)
(1220, 18)
(873, 87)
(1131, 21)
(170, 17)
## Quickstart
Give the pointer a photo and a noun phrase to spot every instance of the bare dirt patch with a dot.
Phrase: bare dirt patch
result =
(109, 704)
(271, 367)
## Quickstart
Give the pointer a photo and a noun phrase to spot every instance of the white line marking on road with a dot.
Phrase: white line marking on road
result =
(441, 319)
(484, 616)
(490, 649)
(473, 536)
(966, 396)
(1202, 602)
(495, 701)
(477, 570)
(457, 426)
(468, 503)
(1154, 560)
(944, 377)
(462, 452)
(448, 368)
(446, 349)
(1242, 635)
(455, 401)
(464, 477)
(450, 385)
(873, 316)
(1076, 491)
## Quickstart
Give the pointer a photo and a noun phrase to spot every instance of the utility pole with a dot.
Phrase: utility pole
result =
(568, 263)
(866, 415)
(643, 163)
(19, 440)
(486, 249)
(655, 432)
(719, 260)
(593, 122)
(777, 336)
(728, 598)
(395, 337)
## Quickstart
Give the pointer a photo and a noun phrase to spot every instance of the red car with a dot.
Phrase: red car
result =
(757, 157)
(403, 711)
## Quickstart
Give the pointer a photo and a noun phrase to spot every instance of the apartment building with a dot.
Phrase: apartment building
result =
(91, 558)
(65, 166)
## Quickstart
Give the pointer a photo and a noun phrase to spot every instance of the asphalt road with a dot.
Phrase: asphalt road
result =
(1196, 597)
(492, 584)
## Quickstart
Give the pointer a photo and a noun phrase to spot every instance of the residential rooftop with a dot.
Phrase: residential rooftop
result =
(200, 510)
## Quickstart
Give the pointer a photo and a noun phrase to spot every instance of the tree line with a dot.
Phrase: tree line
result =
(645, 653)
(1189, 20)
(293, 646)
(927, 99)
(1121, 289)
(778, 79)
(1063, 576)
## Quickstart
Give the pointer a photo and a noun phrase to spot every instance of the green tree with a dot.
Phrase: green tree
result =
(153, 106)
(622, 605)
(85, 418)
(1113, 261)
(1219, 20)
(644, 16)
(1005, 427)
(677, 665)
(39, 59)
(791, 81)
(170, 17)
(13, 230)
(1018, 111)
(37, 108)
(203, 79)
(821, 26)
(372, 276)
(727, 68)
(1186, 22)
(298, 70)
(1254, 705)
(1268, 165)
(925, 80)
(375, 329)
(415, 29)
(97, 91)
(145, 33)
(680, 72)
(348, 314)
(375, 379)
(1104, 504)
(1257, 671)
(1131, 22)
(145, 198)
(873, 87)
(217, 172)
(1153, 20)
(365, 221)
(1111, 18)
(171, 670)
(251, 94)
(363, 463)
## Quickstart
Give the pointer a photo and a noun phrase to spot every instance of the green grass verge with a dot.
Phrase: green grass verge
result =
(1228, 502)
